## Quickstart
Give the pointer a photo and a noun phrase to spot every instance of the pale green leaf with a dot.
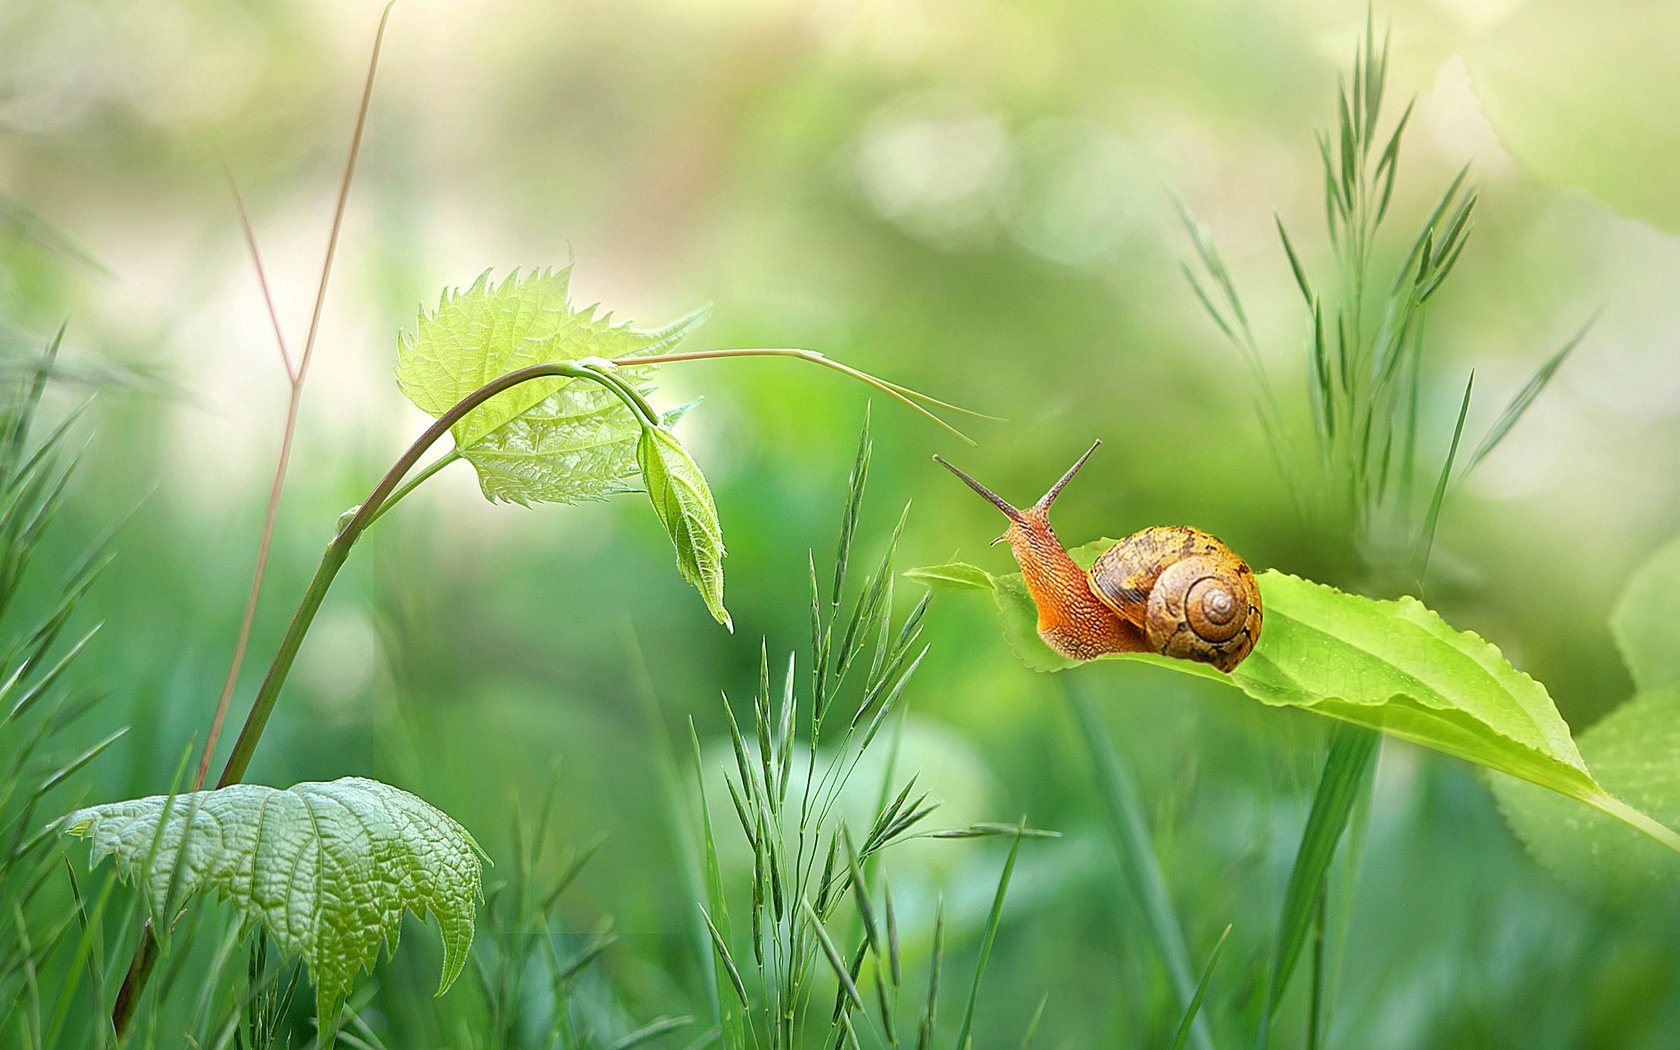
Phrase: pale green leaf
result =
(551, 439)
(1631, 750)
(326, 868)
(1646, 621)
(1632, 753)
(1394, 666)
(684, 504)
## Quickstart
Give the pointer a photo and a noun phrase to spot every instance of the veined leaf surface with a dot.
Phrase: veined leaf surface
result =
(548, 440)
(1395, 666)
(327, 868)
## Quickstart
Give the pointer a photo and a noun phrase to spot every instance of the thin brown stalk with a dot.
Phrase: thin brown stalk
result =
(295, 377)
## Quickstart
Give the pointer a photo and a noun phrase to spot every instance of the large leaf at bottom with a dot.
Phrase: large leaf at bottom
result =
(1395, 666)
(327, 868)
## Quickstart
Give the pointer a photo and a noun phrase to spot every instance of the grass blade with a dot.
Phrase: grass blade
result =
(1525, 397)
(1350, 754)
(841, 970)
(1426, 535)
(1190, 1013)
(1139, 868)
(988, 938)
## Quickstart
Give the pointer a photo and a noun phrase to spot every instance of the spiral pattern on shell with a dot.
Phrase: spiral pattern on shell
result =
(1190, 594)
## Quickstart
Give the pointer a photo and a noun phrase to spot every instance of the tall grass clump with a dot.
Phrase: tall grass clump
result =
(50, 959)
(1361, 478)
(816, 957)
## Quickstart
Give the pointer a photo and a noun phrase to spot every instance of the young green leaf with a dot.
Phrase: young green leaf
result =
(684, 504)
(1394, 666)
(490, 330)
(548, 440)
(327, 868)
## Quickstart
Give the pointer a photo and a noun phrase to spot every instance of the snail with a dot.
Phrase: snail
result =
(1170, 589)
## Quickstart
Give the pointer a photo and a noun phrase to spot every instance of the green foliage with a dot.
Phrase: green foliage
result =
(1394, 666)
(684, 504)
(326, 868)
(538, 985)
(555, 439)
(1631, 751)
(1186, 1024)
(547, 440)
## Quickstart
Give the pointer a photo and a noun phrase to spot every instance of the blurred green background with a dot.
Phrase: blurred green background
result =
(970, 198)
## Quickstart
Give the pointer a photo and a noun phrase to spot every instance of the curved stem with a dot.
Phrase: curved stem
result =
(913, 399)
(338, 550)
(386, 492)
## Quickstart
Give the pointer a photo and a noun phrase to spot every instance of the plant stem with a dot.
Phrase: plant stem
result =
(386, 493)
(295, 377)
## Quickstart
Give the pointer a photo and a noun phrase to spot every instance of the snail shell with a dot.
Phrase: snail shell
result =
(1192, 597)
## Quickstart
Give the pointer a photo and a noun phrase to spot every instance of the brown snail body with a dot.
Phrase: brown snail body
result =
(1170, 589)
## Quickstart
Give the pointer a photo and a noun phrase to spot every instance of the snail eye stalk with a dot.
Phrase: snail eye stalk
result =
(1056, 489)
(997, 501)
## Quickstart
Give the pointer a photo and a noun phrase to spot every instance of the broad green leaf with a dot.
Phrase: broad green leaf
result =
(1394, 666)
(1632, 753)
(327, 868)
(548, 440)
(1646, 621)
(684, 504)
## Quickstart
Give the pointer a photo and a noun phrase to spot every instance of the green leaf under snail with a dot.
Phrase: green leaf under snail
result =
(1394, 666)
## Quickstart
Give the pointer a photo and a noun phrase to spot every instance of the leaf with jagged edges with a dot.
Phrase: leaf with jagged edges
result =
(326, 868)
(683, 501)
(549, 440)
(1394, 666)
